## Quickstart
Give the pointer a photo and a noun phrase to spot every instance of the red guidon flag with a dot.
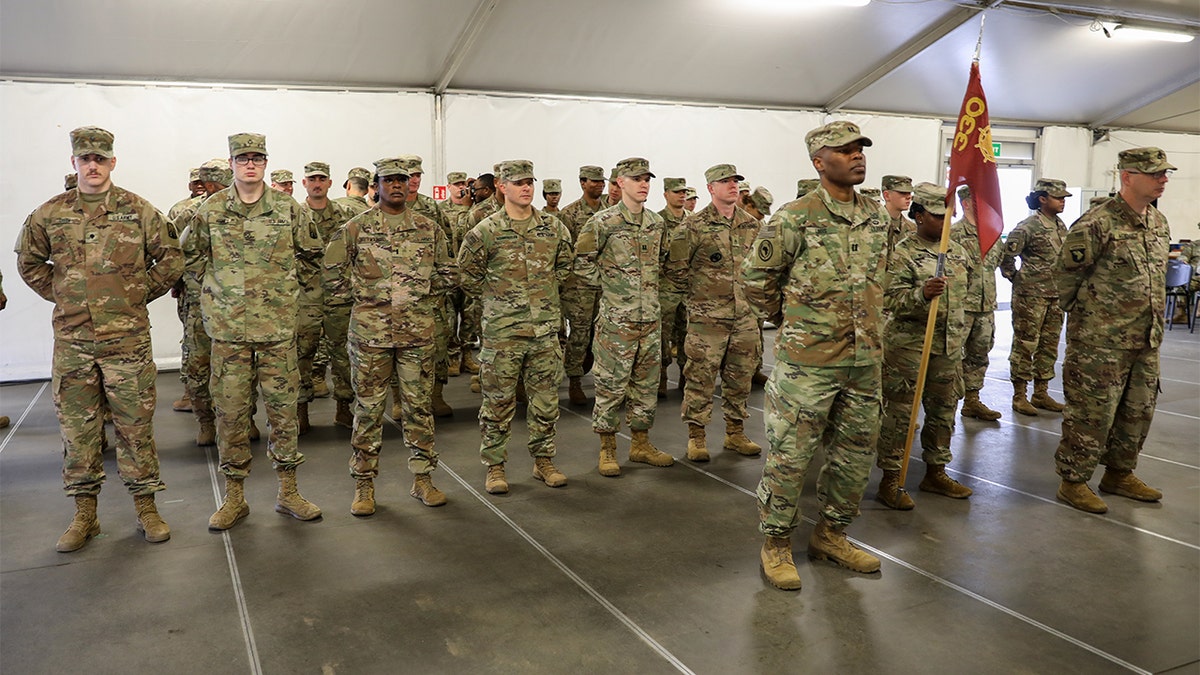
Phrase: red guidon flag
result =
(973, 164)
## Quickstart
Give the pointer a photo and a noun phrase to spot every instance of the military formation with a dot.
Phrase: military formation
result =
(386, 290)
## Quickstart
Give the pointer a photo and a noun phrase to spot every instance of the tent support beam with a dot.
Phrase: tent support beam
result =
(464, 43)
(1139, 102)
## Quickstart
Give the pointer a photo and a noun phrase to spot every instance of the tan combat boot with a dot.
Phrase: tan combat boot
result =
(829, 542)
(777, 564)
(233, 509)
(290, 502)
(207, 435)
(4, 422)
(1125, 484)
(454, 368)
(320, 388)
(545, 471)
(891, 494)
(1041, 397)
(575, 392)
(475, 388)
(736, 439)
(439, 406)
(697, 451)
(424, 490)
(149, 523)
(937, 482)
(343, 417)
(1019, 402)
(364, 497)
(469, 363)
(1080, 496)
(973, 407)
(642, 450)
(397, 409)
(302, 419)
(184, 404)
(758, 379)
(608, 455)
(495, 482)
(82, 528)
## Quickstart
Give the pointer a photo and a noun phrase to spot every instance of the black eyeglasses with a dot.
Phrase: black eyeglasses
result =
(243, 160)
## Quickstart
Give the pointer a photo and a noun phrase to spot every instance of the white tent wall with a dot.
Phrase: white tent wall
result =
(1181, 200)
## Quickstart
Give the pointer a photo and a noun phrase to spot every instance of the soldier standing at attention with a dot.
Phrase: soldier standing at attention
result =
(552, 193)
(979, 308)
(758, 204)
(689, 199)
(614, 189)
(244, 248)
(488, 200)
(722, 333)
(456, 204)
(195, 196)
(1110, 280)
(1037, 319)
(670, 292)
(100, 254)
(514, 260)
(805, 186)
(355, 186)
(579, 303)
(620, 253)
(283, 181)
(817, 271)
(897, 196)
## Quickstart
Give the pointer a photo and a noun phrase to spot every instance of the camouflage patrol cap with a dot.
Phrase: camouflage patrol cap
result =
(391, 166)
(70, 181)
(1142, 160)
(456, 177)
(216, 171)
(964, 193)
(689, 193)
(414, 164)
(633, 166)
(316, 169)
(516, 169)
(674, 184)
(931, 197)
(721, 172)
(282, 176)
(897, 183)
(591, 172)
(612, 175)
(194, 175)
(805, 186)
(552, 186)
(1052, 187)
(743, 186)
(761, 199)
(245, 142)
(873, 193)
(833, 135)
(359, 173)
(91, 141)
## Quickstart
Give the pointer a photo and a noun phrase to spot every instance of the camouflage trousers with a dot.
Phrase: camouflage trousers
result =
(197, 362)
(808, 409)
(181, 310)
(727, 348)
(308, 336)
(579, 307)
(469, 327)
(443, 316)
(236, 366)
(943, 390)
(1037, 324)
(321, 358)
(87, 376)
(981, 337)
(501, 363)
(337, 332)
(628, 361)
(1110, 397)
(372, 372)
(674, 327)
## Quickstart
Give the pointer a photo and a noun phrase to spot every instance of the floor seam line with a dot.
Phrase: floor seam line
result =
(13, 431)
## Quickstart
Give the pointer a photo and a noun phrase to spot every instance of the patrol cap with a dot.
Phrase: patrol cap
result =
(612, 175)
(1052, 187)
(70, 181)
(552, 186)
(873, 193)
(245, 142)
(743, 186)
(497, 168)
(216, 171)
(391, 166)
(92, 141)
(805, 186)
(761, 199)
(897, 183)
(931, 197)
(833, 135)
(1139, 160)
(456, 177)
(674, 184)
(689, 193)
(964, 193)
(517, 169)
(194, 175)
(282, 176)
(633, 166)
(591, 172)
(359, 173)
(316, 169)
(414, 164)
(721, 172)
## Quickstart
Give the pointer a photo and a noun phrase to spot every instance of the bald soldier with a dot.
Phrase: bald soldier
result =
(100, 254)
(579, 303)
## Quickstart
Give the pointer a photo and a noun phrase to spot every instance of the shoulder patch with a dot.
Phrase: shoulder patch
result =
(1078, 254)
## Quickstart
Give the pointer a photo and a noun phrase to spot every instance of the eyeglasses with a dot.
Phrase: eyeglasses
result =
(243, 160)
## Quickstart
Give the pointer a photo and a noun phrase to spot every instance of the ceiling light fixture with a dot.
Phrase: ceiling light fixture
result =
(811, 4)
(1127, 32)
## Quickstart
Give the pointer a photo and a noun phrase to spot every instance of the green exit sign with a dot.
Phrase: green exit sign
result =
(995, 149)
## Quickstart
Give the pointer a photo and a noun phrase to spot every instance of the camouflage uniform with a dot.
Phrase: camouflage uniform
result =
(1037, 319)
(899, 228)
(183, 206)
(426, 206)
(671, 293)
(327, 321)
(979, 303)
(455, 299)
(472, 306)
(579, 303)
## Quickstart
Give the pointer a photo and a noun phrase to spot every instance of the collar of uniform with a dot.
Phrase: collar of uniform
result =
(628, 215)
(839, 209)
(265, 203)
(106, 206)
(1128, 213)
(964, 225)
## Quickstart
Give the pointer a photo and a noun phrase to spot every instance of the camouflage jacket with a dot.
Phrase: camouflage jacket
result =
(576, 214)
(709, 263)
(326, 221)
(1037, 241)
(184, 205)
(248, 259)
(356, 205)
(622, 258)
(454, 213)
(428, 207)
(1111, 277)
(981, 271)
(396, 268)
(673, 231)
(818, 271)
(516, 270)
(910, 266)
(99, 270)
(483, 209)
(898, 228)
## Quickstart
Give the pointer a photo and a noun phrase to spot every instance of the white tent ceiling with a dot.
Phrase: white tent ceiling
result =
(1040, 61)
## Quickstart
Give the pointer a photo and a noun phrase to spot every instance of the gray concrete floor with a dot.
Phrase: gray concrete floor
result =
(655, 571)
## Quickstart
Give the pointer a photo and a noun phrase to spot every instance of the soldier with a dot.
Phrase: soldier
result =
(979, 308)
(245, 246)
(620, 253)
(805, 186)
(514, 260)
(1110, 281)
(100, 253)
(614, 189)
(758, 204)
(670, 293)
(579, 303)
(817, 271)
(195, 185)
(1037, 319)
(897, 196)
(398, 266)
(283, 181)
(689, 199)
(356, 187)
(184, 402)
(722, 333)
(455, 206)
(487, 201)
(458, 197)
(912, 284)
(743, 191)
(551, 193)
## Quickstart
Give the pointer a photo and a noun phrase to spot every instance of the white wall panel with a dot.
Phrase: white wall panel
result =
(1180, 202)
